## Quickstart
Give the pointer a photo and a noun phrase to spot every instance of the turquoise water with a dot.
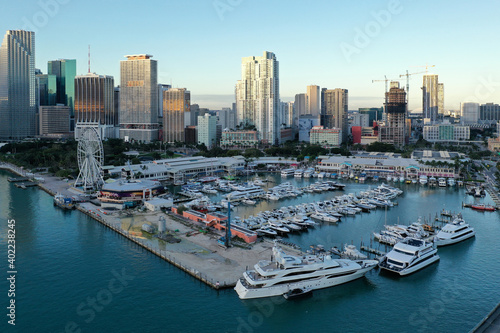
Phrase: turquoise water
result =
(65, 260)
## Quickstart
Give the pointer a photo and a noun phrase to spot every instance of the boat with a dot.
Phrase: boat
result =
(249, 202)
(258, 181)
(298, 293)
(442, 182)
(409, 256)
(298, 173)
(208, 179)
(266, 231)
(454, 232)
(451, 182)
(351, 252)
(63, 202)
(324, 217)
(279, 227)
(287, 172)
(246, 192)
(483, 207)
(432, 181)
(287, 272)
(422, 180)
(401, 179)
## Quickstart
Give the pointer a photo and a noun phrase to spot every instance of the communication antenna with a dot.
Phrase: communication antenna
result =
(89, 58)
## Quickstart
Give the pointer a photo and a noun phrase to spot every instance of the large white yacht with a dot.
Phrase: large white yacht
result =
(287, 272)
(409, 255)
(454, 232)
(287, 172)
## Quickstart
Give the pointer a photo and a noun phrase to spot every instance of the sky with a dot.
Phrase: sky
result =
(334, 44)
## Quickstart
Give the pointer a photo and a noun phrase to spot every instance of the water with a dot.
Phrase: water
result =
(65, 259)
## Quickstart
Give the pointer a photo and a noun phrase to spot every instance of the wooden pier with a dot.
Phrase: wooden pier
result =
(372, 250)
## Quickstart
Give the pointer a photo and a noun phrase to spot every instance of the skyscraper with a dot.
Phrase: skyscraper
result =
(257, 96)
(176, 102)
(65, 72)
(139, 98)
(394, 129)
(47, 89)
(430, 105)
(95, 105)
(335, 109)
(207, 130)
(440, 98)
(17, 85)
(313, 104)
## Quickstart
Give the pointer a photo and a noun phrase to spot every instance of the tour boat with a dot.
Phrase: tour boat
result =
(409, 256)
(454, 232)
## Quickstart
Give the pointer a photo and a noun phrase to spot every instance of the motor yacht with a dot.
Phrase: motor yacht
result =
(287, 272)
(454, 232)
(409, 256)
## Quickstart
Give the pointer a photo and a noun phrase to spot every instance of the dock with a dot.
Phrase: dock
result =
(17, 179)
(372, 250)
(490, 323)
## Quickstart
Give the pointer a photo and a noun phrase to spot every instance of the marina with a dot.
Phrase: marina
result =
(355, 229)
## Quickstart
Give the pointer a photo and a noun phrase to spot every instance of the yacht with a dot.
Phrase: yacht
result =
(454, 232)
(451, 182)
(423, 180)
(246, 193)
(409, 255)
(442, 182)
(298, 173)
(266, 231)
(324, 217)
(287, 172)
(432, 181)
(287, 272)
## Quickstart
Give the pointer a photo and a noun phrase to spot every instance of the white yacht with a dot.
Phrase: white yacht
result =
(287, 272)
(298, 173)
(442, 182)
(454, 232)
(451, 182)
(246, 193)
(409, 255)
(324, 217)
(287, 172)
(423, 179)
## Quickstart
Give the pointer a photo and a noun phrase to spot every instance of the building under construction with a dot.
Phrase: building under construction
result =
(394, 129)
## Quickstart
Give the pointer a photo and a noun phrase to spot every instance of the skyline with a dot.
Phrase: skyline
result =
(200, 47)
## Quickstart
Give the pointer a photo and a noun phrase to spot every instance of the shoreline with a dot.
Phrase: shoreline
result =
(199, 255)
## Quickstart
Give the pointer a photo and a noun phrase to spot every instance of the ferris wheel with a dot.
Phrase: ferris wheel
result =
(90, 158)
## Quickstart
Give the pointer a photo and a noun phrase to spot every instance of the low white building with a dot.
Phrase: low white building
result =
(157, 204)
(446, 132)
(329, 137)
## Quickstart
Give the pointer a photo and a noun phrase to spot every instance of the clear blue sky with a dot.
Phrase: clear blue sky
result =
(199, 44)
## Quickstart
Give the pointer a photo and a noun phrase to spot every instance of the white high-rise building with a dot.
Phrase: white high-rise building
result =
(257, 96)
(227, 118)
(313, 101)
(207, 130)
(469, 112)
(440, 98)
(17, 85)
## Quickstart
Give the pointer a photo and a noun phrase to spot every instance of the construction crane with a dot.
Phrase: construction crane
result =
(427, 66)
(408, 86)
(386, 80)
